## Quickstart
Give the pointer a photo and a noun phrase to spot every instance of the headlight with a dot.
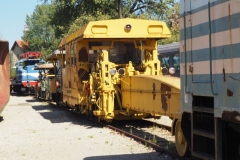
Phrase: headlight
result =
(128, 27)
(171, 70)
(121, 71)
(112, 71)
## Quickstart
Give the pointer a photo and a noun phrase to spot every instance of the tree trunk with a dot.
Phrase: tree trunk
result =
(120, 8)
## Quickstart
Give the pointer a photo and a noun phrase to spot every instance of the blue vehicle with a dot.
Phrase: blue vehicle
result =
(26, 77)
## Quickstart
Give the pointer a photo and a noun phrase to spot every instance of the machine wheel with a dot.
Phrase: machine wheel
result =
(180, 141)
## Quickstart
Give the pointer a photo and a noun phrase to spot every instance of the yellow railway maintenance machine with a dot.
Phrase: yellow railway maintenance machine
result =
(112, 71)
(48, 82)
(43, 87)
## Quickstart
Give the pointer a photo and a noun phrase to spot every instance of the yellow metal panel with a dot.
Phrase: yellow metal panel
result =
(53, 85)
(173, 81)
(152, 94)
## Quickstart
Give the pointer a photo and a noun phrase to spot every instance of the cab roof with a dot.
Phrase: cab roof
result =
(120, 28)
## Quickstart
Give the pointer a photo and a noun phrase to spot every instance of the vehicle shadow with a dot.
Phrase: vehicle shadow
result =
(140, 156)
(15, 94)
(61, 115)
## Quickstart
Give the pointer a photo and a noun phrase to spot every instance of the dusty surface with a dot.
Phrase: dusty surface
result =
(34, 130)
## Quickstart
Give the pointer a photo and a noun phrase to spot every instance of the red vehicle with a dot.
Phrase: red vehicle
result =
(4, 74)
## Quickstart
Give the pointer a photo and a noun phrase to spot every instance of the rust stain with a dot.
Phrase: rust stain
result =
(4, 74)
(164, 97)
(232, 116)
(154, 91)
(224, 75)
(190, 69)
(229, 93)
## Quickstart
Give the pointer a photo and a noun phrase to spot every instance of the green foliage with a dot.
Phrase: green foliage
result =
(63, 17)
(68, 11)
(173, 24)
(84, 19)
(12, 65)
(41, 34)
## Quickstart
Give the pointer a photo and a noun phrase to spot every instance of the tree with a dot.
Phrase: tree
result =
(41, 34)
(84, 19)
(173, 23)
(69, 12)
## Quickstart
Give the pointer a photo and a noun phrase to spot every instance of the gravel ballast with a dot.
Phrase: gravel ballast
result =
(36, 130)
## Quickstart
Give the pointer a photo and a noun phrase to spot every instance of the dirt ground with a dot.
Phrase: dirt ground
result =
(35, 130)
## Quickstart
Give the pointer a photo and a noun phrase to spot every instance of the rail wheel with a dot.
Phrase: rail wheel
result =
(180, 141)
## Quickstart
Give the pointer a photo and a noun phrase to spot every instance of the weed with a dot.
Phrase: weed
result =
(131, 130)
(145, 135)
(154, 127)
(169, 144)
(154, 139)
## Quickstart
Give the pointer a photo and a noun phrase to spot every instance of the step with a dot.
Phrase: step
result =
(203, 109)
(204, 133)
(203, 155)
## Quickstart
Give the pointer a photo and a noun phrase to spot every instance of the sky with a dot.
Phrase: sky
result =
(13, 16)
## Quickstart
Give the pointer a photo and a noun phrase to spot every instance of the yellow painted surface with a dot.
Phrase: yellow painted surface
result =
(53, 85)
(145, 94)
(116, 29)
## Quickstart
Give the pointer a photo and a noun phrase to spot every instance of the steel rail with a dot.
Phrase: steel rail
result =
(156, 147)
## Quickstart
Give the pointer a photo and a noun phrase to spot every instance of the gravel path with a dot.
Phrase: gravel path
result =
(34, 130)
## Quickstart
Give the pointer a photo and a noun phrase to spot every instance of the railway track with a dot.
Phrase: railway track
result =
(143, 137)
(151, 134)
